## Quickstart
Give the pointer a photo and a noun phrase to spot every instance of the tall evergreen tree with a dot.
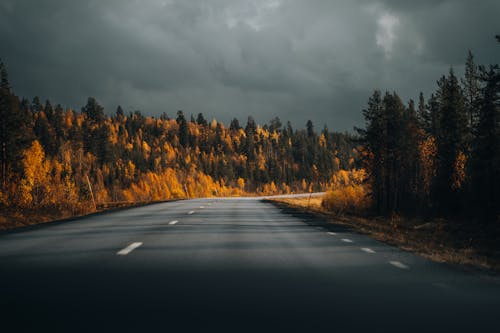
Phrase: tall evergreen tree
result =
(93, 110)
(451, 144)
(183, 129)
(471, 88)
(373, 139)
(432, 124)
(234, 125)
(486, 153)
(200, 120)
(119, 115)
(12, 129)
(275, 124)
(423, 113)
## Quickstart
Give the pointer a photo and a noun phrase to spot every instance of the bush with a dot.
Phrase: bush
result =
(347, 194)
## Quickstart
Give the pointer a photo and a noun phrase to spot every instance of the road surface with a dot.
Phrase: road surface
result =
(228, 265)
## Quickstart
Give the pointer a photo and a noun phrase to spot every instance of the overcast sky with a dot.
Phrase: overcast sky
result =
(296, 59)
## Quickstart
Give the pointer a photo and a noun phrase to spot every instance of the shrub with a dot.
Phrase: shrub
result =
(347, 194)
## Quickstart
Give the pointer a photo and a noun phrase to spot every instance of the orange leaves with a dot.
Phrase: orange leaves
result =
(347, 192)
(241, 184)
(272, 189)
(261, 162)
(427, 155)
(344, 178)
(146, 148)
(130, 171)
(275, 137)
(458, 178)
(140, 158)
(170, 153)
(36, 172)
(322, 141)
(350, 199)
(34, 164)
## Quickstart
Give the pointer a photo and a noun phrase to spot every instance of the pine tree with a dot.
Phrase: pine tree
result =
(486, 152)
(423, 113)
(93, 111)
(12, 129)
(412, 136)
(451, 144)
(394, 110)
(183, 129)
(44, 133)
(275, 124)
(251, 127)
(310, 129)
(471, 88)
(432, 125)
(373, 139)
(49, 112)
(58, 124)
(200, 120)
(119, 115)
(234, 125)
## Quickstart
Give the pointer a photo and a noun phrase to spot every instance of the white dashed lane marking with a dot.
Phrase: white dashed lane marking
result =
(173, 222)
(191, 212)
(202, 207)
(367, 250)
(129, 249)
(347, 240)
(398, 264)
(332, 233)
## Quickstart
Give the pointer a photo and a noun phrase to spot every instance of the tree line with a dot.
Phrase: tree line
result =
(440, 156)
(56, 157)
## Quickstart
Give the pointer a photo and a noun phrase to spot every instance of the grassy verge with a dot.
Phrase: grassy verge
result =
(453, 242)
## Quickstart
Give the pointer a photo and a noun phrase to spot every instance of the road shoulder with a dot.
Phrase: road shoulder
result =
(431, 240)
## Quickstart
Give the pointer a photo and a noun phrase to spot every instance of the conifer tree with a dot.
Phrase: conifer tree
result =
(12, 129)
(93, 111)
(200, 120)
(373, 138)
(486, 153)
(451, 144)
(471, 88)
(183, 129)
(234, 125)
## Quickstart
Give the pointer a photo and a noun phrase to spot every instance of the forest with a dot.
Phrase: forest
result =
(440, 156)
(75, 161)
(437, 157)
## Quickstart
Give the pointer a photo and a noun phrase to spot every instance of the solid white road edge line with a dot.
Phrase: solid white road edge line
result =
(398, 264)
(347, 240)
(129, 249)
(367, 250)
(173, 222)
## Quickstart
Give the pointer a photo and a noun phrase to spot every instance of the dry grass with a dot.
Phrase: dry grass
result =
(439, 240)
(12, 219)
(306, 202)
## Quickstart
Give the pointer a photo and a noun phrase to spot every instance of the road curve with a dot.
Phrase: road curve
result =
(228, 265)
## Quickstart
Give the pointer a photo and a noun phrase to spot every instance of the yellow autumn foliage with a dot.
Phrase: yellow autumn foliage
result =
(347, 192)
(33, 187)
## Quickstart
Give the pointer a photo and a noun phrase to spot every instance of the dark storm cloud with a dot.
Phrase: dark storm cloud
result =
(294, 59)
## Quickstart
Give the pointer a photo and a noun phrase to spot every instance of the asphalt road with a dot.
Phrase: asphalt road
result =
(228, 265)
